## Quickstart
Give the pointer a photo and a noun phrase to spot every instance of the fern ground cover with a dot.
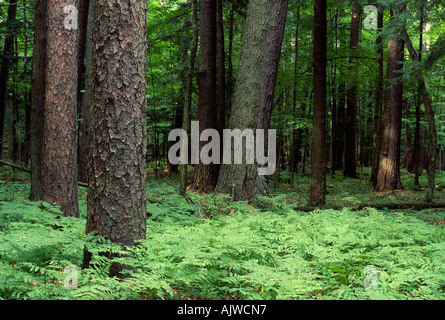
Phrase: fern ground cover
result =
(218, 249)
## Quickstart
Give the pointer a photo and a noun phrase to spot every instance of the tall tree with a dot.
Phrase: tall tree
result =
(60, 132)
(418, 143)
(206, 175)
(189, 85)
(221, 68)
(38, 85)
(388, 177)
(254, 92)
(432, 148)
(378, 102)
(84, 87)
(319, 150)
(350, 149)
(117, 172)
(5, 66)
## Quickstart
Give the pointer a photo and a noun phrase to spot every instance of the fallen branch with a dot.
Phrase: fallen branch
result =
(154, 201)
(16, 166)
(182, 192)
(392, 206)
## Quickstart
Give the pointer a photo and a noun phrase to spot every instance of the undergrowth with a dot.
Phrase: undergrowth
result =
(217, 249)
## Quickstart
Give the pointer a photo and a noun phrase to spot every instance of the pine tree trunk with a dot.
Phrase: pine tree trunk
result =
(351, 93)
(388, 177)
(38, 99)
(60, 134)
(319, 149)
(206, 175)
(116, 193)
(254, 91)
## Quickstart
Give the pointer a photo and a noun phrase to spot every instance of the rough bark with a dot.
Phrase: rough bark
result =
(388, 177)
(5, 66)
(117, 172)
(60, 134)
(207, 174)
(350, 150)
(38, 85)
(254, 91)
(319, 149)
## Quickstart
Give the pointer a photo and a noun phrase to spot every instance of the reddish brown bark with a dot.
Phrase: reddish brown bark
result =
(117, 173)
(319, 149)
(60, 133)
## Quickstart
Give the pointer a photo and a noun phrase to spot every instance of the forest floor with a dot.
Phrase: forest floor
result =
(359, 246)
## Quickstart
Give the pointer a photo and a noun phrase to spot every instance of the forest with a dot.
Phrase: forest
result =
(222, 150)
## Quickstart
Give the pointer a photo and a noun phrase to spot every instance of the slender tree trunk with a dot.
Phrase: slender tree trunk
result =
(432, 148)
(388, 177)
(319, 150)
(351, 93)
(117, 175)
(60, 134)
(84, 83)
(294, 145)
(15, 110)
(38, 99)
(221, 69)
(418, 147)
(5, 65)
(189, 87)
(27, 98)
(378, 100)
(206, 175)
(229, 86)
(254, 91)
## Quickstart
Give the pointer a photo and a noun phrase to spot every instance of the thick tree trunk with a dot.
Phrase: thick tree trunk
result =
(388, 177)
(254, 90)
(319, 150)
(351, 94)
(5, 65)
(116, 193)
(378, 100)
(38, 99)
(60, 134)
(206, 175)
